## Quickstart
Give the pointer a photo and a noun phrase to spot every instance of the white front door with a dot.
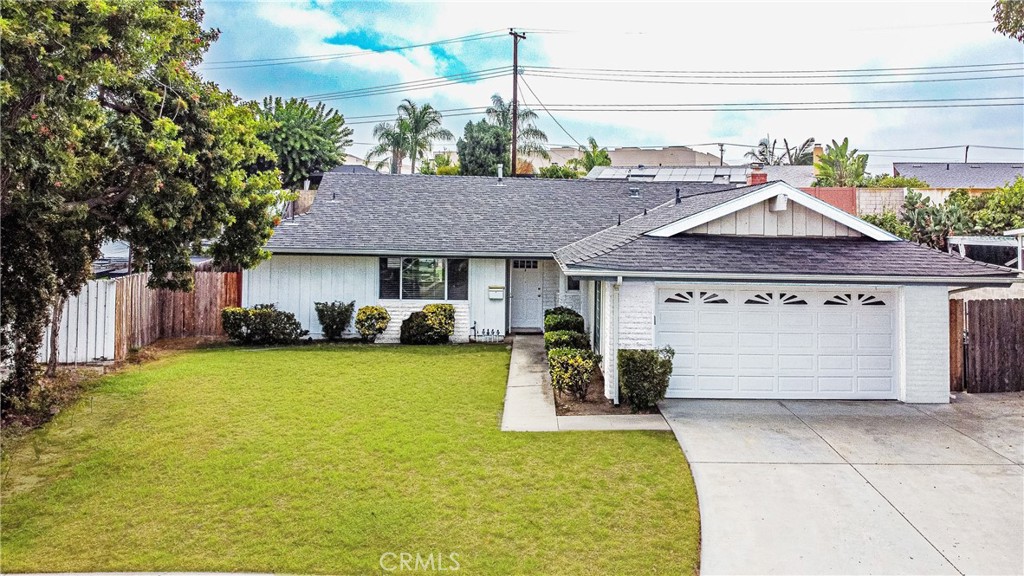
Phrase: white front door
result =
(526, 294)
(779, 341)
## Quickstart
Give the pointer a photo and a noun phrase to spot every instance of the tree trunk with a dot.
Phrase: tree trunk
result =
(55, 319)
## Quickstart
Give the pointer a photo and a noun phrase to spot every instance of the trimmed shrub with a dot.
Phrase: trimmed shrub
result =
(433, 325)
(572, 322)
(334, 317)
(644, 375)
(441, 318)
(572, 370)
(566, 339)
(261, 324)
(558, 310)
(371, 321)
(416, 329)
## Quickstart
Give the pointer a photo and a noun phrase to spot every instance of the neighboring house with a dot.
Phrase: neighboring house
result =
(979, 176)
(762, 291)
(796, 176)
(634, 156)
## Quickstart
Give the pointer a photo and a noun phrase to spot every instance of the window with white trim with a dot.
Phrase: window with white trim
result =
(424, 278)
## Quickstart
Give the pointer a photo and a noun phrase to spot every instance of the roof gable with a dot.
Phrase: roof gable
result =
(770, 192)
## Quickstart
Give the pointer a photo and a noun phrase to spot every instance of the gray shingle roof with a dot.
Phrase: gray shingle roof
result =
(957, 175)
(614, 237)
(716, 255)
(626, 248)
(355, 213)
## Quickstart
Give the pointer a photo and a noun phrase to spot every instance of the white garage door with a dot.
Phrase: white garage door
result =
(784, 342)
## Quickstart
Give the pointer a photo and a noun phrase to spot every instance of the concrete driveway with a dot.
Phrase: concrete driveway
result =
(816, 487)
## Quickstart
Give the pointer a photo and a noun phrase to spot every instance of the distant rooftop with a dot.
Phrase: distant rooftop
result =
(961, 175)
(796, 176)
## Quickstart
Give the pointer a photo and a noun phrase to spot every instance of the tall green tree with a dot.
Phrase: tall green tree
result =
(802, 155)
(305, 139)
(1009, 18)
(424, 126)
(592, 155)
(841, 166)
(482, 147)
(531, 139)
(109, 133)
(765, 153)
(392, 145)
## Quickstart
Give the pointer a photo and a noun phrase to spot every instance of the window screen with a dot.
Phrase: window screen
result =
(458, 279)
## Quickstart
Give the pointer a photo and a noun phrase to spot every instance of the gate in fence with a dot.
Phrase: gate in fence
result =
(986, 352)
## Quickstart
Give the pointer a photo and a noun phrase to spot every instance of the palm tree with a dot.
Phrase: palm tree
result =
(392, 145)
(841, 166)
(531, 139)
(593, 155)
(765, 153)
(424, 126)
(802, 155)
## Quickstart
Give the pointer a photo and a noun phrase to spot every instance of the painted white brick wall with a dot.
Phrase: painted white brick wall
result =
(401, 309)
(636, 315)
(924, 344)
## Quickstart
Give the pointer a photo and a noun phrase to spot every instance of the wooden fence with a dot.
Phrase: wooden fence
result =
(106, 325)
(993, 358)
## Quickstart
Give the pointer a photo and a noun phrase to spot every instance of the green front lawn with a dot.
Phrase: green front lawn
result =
(320, 459)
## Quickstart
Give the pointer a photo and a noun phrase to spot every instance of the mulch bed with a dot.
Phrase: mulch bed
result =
(595, 404)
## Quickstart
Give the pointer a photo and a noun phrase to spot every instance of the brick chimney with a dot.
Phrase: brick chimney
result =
(816, 155)
(757, 175)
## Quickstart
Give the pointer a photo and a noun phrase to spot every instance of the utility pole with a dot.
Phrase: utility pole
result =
(721, 154)
(516, 37)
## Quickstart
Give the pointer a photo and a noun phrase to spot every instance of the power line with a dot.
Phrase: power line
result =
(262, 62)
(438, 81)
(571, 137)
(620, 78)
(956, 146)
(787, 72)
(816, 103)
(789, 108)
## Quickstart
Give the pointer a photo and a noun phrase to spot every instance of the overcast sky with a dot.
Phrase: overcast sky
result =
(716, 36)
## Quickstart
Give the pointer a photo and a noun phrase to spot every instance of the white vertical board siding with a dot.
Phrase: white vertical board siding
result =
(924, 344)
(87, 326)
(487, 314)
(607, 357)
(759, 220)
(636, 315)
(401, 309)
(295, 282)
(550, 284)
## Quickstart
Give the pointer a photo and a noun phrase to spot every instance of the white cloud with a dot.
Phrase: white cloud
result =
(688, 36)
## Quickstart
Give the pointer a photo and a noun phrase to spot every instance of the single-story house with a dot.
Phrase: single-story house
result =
(763, 291)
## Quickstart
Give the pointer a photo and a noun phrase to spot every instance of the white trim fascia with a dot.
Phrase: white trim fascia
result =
(1014, 232)
(819, 279)
(770, 191)
(982, 241)
(419, 253)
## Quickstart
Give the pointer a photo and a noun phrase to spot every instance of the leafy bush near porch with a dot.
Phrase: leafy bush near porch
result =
(372, 321)
(560, 310)
(571, 322)
(261, 324)
(442, 318)
(334, 317)
(644, 376)
(572, 370)
(433, 325)
(566, 339)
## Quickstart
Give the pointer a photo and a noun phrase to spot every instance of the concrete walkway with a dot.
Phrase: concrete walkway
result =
(834, 487)
(530, 402)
